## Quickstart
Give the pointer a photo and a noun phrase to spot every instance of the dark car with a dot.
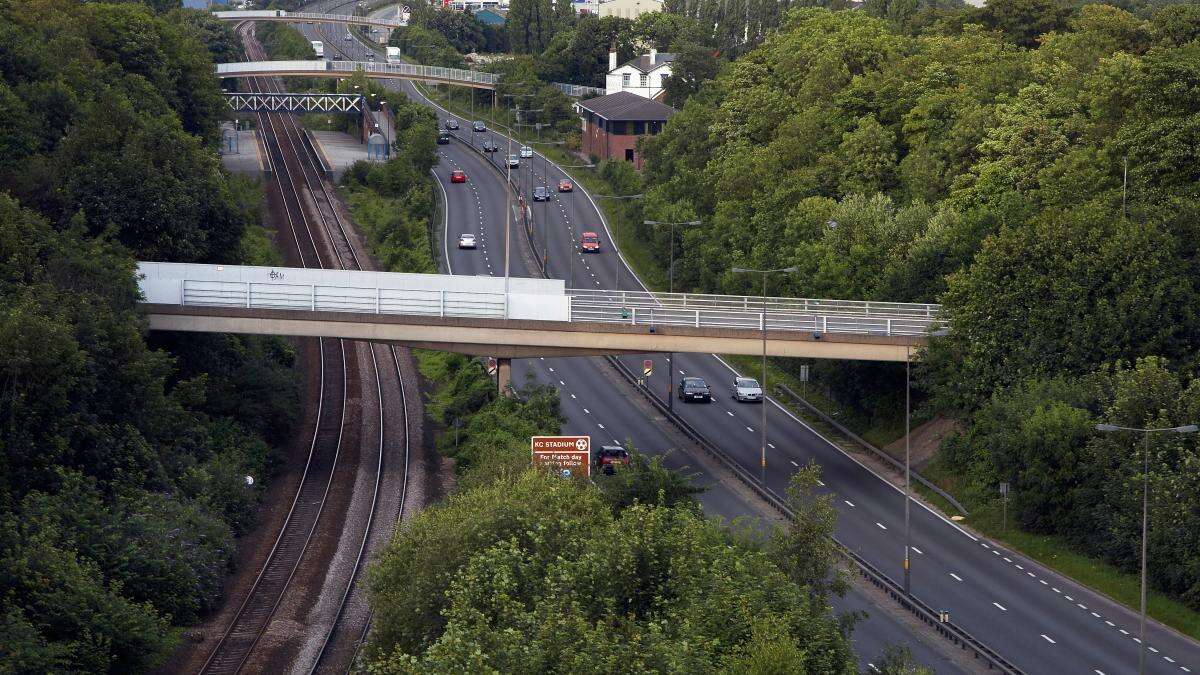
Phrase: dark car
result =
(452, 125)
(489, 146)
(694, 389)
(443, 138)
(611, 456)
(478, 126)
(540, 194)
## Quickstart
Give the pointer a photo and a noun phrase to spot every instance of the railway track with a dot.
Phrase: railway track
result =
(321, 239)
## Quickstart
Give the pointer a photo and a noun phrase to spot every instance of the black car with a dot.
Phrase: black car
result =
(452, 125)
(694, 389)
(443, 138)
(478, 126)
(489, 146)
(540, 194)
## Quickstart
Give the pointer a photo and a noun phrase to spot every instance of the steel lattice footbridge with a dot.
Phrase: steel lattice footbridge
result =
(518, 317)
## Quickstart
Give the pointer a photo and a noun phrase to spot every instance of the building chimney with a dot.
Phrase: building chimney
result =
(653, 55)
(612, 59)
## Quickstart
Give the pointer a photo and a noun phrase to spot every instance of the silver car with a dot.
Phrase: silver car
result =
(747, 389)
(513, 161)
(526, 152)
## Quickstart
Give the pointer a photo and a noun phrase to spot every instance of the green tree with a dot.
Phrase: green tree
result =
(530, 25)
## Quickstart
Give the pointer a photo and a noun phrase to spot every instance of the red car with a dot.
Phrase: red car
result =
(610, 457)
(589, 242)
(565, 185)
(458, 176)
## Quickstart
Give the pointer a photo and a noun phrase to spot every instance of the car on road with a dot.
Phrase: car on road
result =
(452, 125)
(526, 152)
(747, 389)
(466, 240)
(609, 457)
(541, 194)
(478, 126)
(490, 146)
(589, 242)
(513, 161)
(443, 138)
(694, 389)
(371, 56)
(458, 176)
(565, 185)
(348, 37)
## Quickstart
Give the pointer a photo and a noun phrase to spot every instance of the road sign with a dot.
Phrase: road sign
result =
(647, 368)
(567, 455)
(804, 373)
(491, 365)
(1004, 489)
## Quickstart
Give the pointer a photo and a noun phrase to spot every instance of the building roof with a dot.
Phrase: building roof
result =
(646, 64)
(624, 106)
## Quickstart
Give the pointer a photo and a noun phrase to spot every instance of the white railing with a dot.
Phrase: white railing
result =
(320, 298)
(409, 71)
(281, 15)
(747, 312)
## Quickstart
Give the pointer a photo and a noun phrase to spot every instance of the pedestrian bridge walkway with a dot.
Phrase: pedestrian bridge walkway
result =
(309, 17)
(381, 71)
(520, 317)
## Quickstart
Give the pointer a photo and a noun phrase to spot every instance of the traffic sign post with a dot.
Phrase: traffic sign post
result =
(1004, 508)
(491, 366)
(565, 455)
(647, 368)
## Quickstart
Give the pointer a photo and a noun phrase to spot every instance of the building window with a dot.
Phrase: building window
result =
(645, 79)
(628, 154)
(639, 128)
(617, 128)
(624, 79)
(662, 82)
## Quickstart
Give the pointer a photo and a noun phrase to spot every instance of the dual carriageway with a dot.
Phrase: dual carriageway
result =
(1035, 618)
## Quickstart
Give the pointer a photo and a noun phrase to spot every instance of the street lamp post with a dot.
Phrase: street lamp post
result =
(763, 383)
(670, 289)
(617, 258)
(546, 206)
(1186, 429)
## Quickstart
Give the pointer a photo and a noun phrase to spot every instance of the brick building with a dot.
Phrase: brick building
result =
(613, 124)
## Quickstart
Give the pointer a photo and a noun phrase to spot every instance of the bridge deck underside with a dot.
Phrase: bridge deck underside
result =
(521, 339)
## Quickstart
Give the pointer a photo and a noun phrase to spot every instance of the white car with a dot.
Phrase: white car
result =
(747, 389)
(513, 161)
(466, 241)
(526, 152)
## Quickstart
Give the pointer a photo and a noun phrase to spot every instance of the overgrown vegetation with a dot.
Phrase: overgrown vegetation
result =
(122, 475)
(976, 157)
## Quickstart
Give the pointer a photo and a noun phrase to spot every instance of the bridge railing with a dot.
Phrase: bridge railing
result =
(700, 317)
(316, 297)
(693, 301)
(404, 70)
(281, 15)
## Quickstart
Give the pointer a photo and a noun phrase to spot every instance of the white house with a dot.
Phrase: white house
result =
(644, 76)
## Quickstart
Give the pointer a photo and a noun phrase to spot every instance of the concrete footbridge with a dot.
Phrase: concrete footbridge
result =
(519, 317)
(308, 17)
(382, 71)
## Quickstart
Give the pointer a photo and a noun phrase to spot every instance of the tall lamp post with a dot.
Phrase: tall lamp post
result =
(617, 258)
(1146, 433)
(763, 383)
(671, 289)
(546, 205)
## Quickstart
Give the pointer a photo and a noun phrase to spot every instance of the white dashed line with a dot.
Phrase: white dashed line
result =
(1043, 582)
(850, 503)
(1069, 598)
(750, 429)
(794, 463)
(728, 412)
(586, 411)
(771, 445)
(919, 551)
(1123, 631)
(1095, 615)
(574, 396)
(881, 525)
(1048, 639)
(1002, 607)
(562, 383)
(600, 425)
(1055, 590)
(956, 577)
(1111, 624)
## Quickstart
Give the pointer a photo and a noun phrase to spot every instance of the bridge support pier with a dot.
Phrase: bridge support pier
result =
(504, 376)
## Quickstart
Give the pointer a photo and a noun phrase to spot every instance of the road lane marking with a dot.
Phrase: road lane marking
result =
(1080, 605)
(589, 412)
(1069, 598)
(1111, 624)
(600, 425)
(1123, 631)
(750, 429)
(1031, 575)
(794, 463)
(1095, 615)
(1152, 649)
(1007, 560)
(881, 525)
(1049, 639)
(1056, 590)
(771, 445)
(1019, 567)
(848, 502)
(1043, 582)
(919, 551)
(728, 412)
(956, 577)
(1002, 607)
(574, 396)
(562, 383)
